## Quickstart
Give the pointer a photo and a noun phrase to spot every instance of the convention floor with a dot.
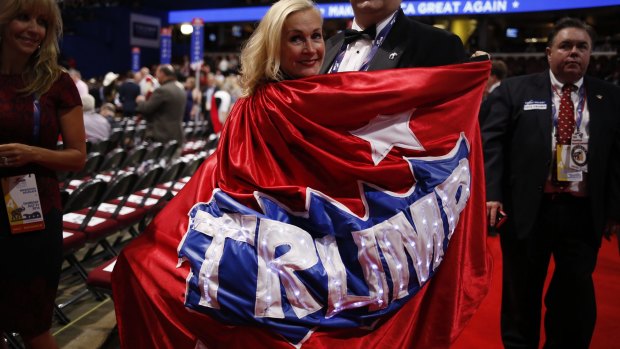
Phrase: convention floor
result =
(92, 322)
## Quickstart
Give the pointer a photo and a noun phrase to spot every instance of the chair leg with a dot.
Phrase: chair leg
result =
(89, 253)
(12, 341)
(62, 318)
(83, 274)
(106, 245)
(77, 265)
(133, 231)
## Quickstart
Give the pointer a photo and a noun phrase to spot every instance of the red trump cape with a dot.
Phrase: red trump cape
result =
(341, 210)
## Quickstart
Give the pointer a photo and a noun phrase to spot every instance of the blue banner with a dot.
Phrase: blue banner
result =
(411, 8)
(165, 48)
(135, 59)
(198, 43)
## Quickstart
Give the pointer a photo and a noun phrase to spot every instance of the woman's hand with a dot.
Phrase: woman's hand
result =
(70, 158)
(16, 154)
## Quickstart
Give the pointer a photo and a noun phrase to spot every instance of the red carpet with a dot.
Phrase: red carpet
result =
(483, 330)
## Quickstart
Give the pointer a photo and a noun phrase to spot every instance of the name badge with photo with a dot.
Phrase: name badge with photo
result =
(564, 171)
(535, 105)
(21, 197)
(579, 153)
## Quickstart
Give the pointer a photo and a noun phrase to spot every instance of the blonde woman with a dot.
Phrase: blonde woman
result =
(287, 44)
(38, 103)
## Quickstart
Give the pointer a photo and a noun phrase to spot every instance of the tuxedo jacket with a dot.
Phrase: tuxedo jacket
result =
(408, 44)
(518, 149)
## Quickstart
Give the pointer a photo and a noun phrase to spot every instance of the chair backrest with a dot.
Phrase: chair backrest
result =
(91, 166)
(149, 178)
(120, 186)
(169, 149)
(154, 151)
(191, 167)
(135, 157)
(86, 195)
(171, 172)
(127, 140)
(115, 137)
(189, 133)
(212, 141)
(103, 146)
(113, 161)
(140, 133)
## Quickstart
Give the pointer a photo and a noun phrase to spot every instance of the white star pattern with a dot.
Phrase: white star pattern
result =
(386, 131)
(515, 4)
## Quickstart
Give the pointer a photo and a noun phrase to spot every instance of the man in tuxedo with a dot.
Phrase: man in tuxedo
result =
(552, 161)
(389, 40)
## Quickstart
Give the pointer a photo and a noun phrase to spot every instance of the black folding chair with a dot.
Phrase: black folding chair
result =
(112, 162)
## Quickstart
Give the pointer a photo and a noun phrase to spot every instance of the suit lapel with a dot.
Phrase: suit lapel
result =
(545, 123)
(391, 50)
(332, 52)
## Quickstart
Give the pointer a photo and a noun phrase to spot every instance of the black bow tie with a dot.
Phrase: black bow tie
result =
(351, 35)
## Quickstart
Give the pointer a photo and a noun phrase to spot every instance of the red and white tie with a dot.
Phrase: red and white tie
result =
(566, 115)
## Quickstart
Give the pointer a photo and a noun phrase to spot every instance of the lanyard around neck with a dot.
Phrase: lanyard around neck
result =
(375, 47)
(36, 115)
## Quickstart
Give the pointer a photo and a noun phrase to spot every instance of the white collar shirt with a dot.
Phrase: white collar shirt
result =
(357, 51)
(575, 188)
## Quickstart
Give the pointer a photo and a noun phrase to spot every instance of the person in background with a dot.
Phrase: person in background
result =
(207, 94)
(82, 87)
(96, 125)
(383, 38)
(164, 110)
(109, 88)
(38, 102)
(192, 106)
(148, 83)
(95, 89)
(108, 111)
(220, 106)
(128, 91)
(552, 161)
(499, 70)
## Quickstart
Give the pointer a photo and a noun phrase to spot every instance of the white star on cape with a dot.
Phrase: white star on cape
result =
(386, 131)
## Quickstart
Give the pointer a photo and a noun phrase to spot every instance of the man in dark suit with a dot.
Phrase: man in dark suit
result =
(499, 70)
(391, 40)
(552, 161)
(164, 110)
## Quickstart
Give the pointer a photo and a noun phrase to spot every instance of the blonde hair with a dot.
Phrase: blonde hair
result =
(260, 56)
(42, 68)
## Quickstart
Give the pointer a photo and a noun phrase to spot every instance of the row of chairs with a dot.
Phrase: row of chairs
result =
(121, 159)
(123, 184)
(96, 210)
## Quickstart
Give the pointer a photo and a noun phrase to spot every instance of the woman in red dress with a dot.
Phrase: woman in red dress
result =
(38, 102)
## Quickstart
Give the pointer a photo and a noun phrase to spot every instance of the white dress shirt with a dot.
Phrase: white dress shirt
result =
(575, 188)
(358, 50)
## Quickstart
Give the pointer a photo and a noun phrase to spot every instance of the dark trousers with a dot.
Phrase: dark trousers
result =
(563, 230)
